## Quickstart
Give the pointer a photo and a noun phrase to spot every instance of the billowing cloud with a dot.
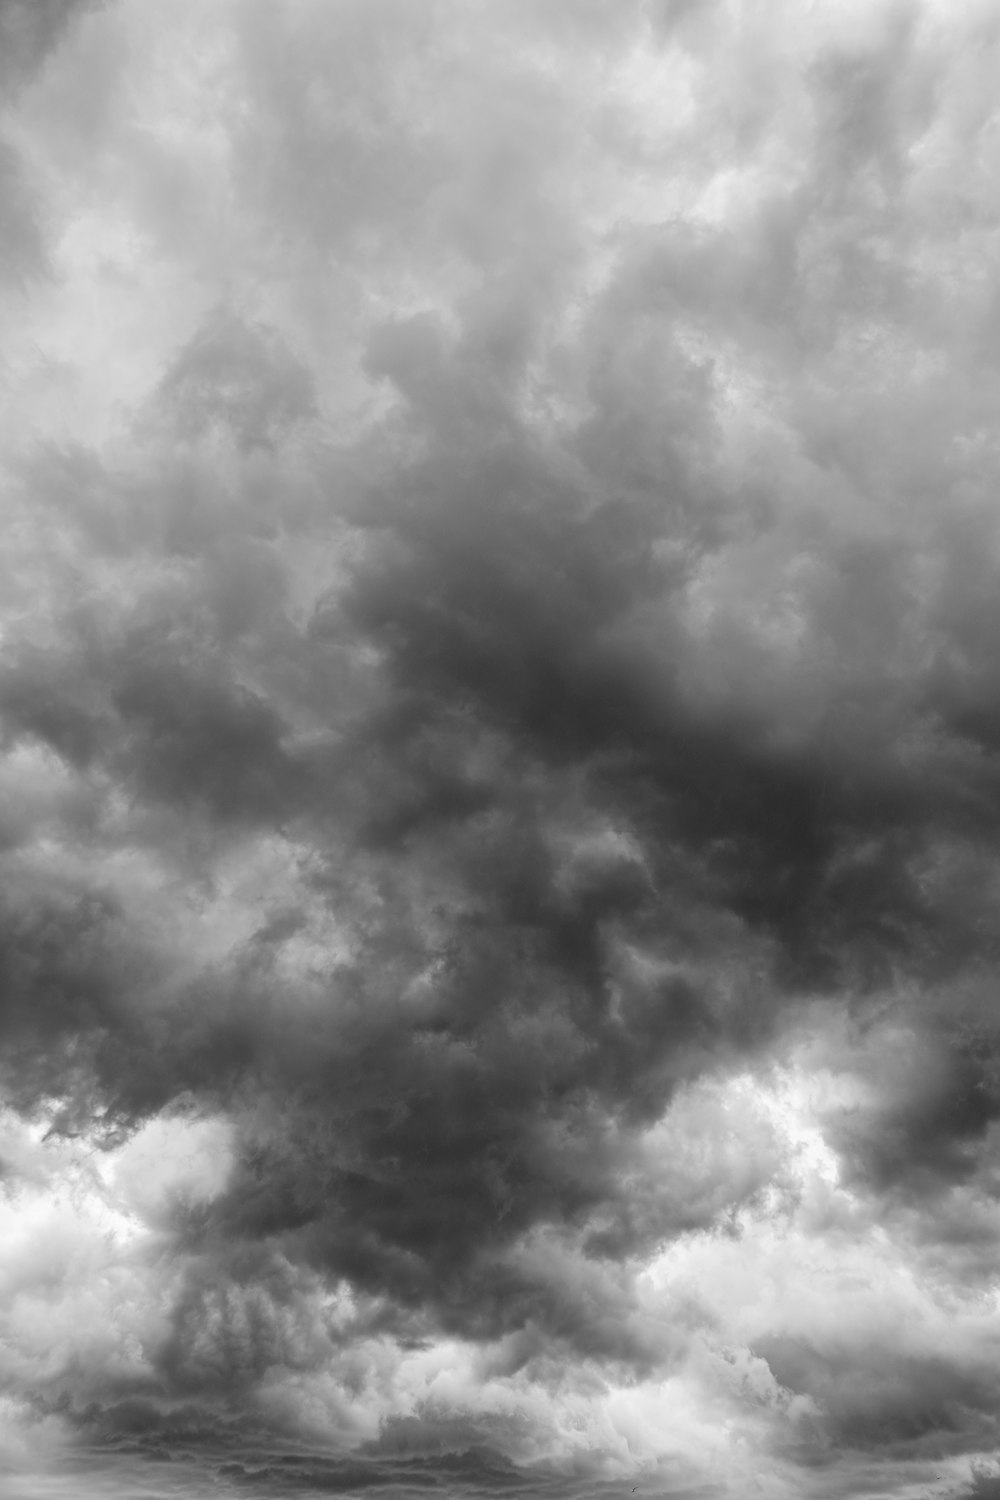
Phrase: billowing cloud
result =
(498, 727)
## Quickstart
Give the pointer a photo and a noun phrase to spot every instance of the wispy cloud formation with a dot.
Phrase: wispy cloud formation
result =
(499, 797)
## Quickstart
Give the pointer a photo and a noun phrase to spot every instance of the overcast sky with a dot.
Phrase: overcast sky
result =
(500, 749)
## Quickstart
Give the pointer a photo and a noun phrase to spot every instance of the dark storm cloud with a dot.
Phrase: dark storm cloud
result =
(593, 910)
(985, 1484)
(937, 1103)
(398, 1464)
(886, 1397)
(416, 1140)
(92, 1015)
(466, 778)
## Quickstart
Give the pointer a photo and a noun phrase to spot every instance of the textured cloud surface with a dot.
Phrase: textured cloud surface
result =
(499, 734)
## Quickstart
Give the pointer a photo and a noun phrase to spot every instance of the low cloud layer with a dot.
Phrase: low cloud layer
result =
(499, 797)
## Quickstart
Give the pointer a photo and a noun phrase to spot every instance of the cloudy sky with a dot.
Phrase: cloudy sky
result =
(499, 749)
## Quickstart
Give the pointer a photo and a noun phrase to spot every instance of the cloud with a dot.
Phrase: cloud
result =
(498, 728)
(983, 1482)
(29, 33)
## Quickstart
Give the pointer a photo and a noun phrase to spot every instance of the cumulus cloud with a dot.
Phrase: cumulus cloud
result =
(498, 728)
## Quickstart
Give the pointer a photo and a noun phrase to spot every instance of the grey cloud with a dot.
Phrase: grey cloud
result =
(76, 980)
(923, 1128)
(985, 1484)
(177, 731)
(887, 1397)
(409, 1457)
(22, 248)
(235, 1320)
(29, 31)
(602, 744)
(235, 376)
(562, 995)
(65, 958)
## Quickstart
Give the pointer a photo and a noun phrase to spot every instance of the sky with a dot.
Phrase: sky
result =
(499, 749)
